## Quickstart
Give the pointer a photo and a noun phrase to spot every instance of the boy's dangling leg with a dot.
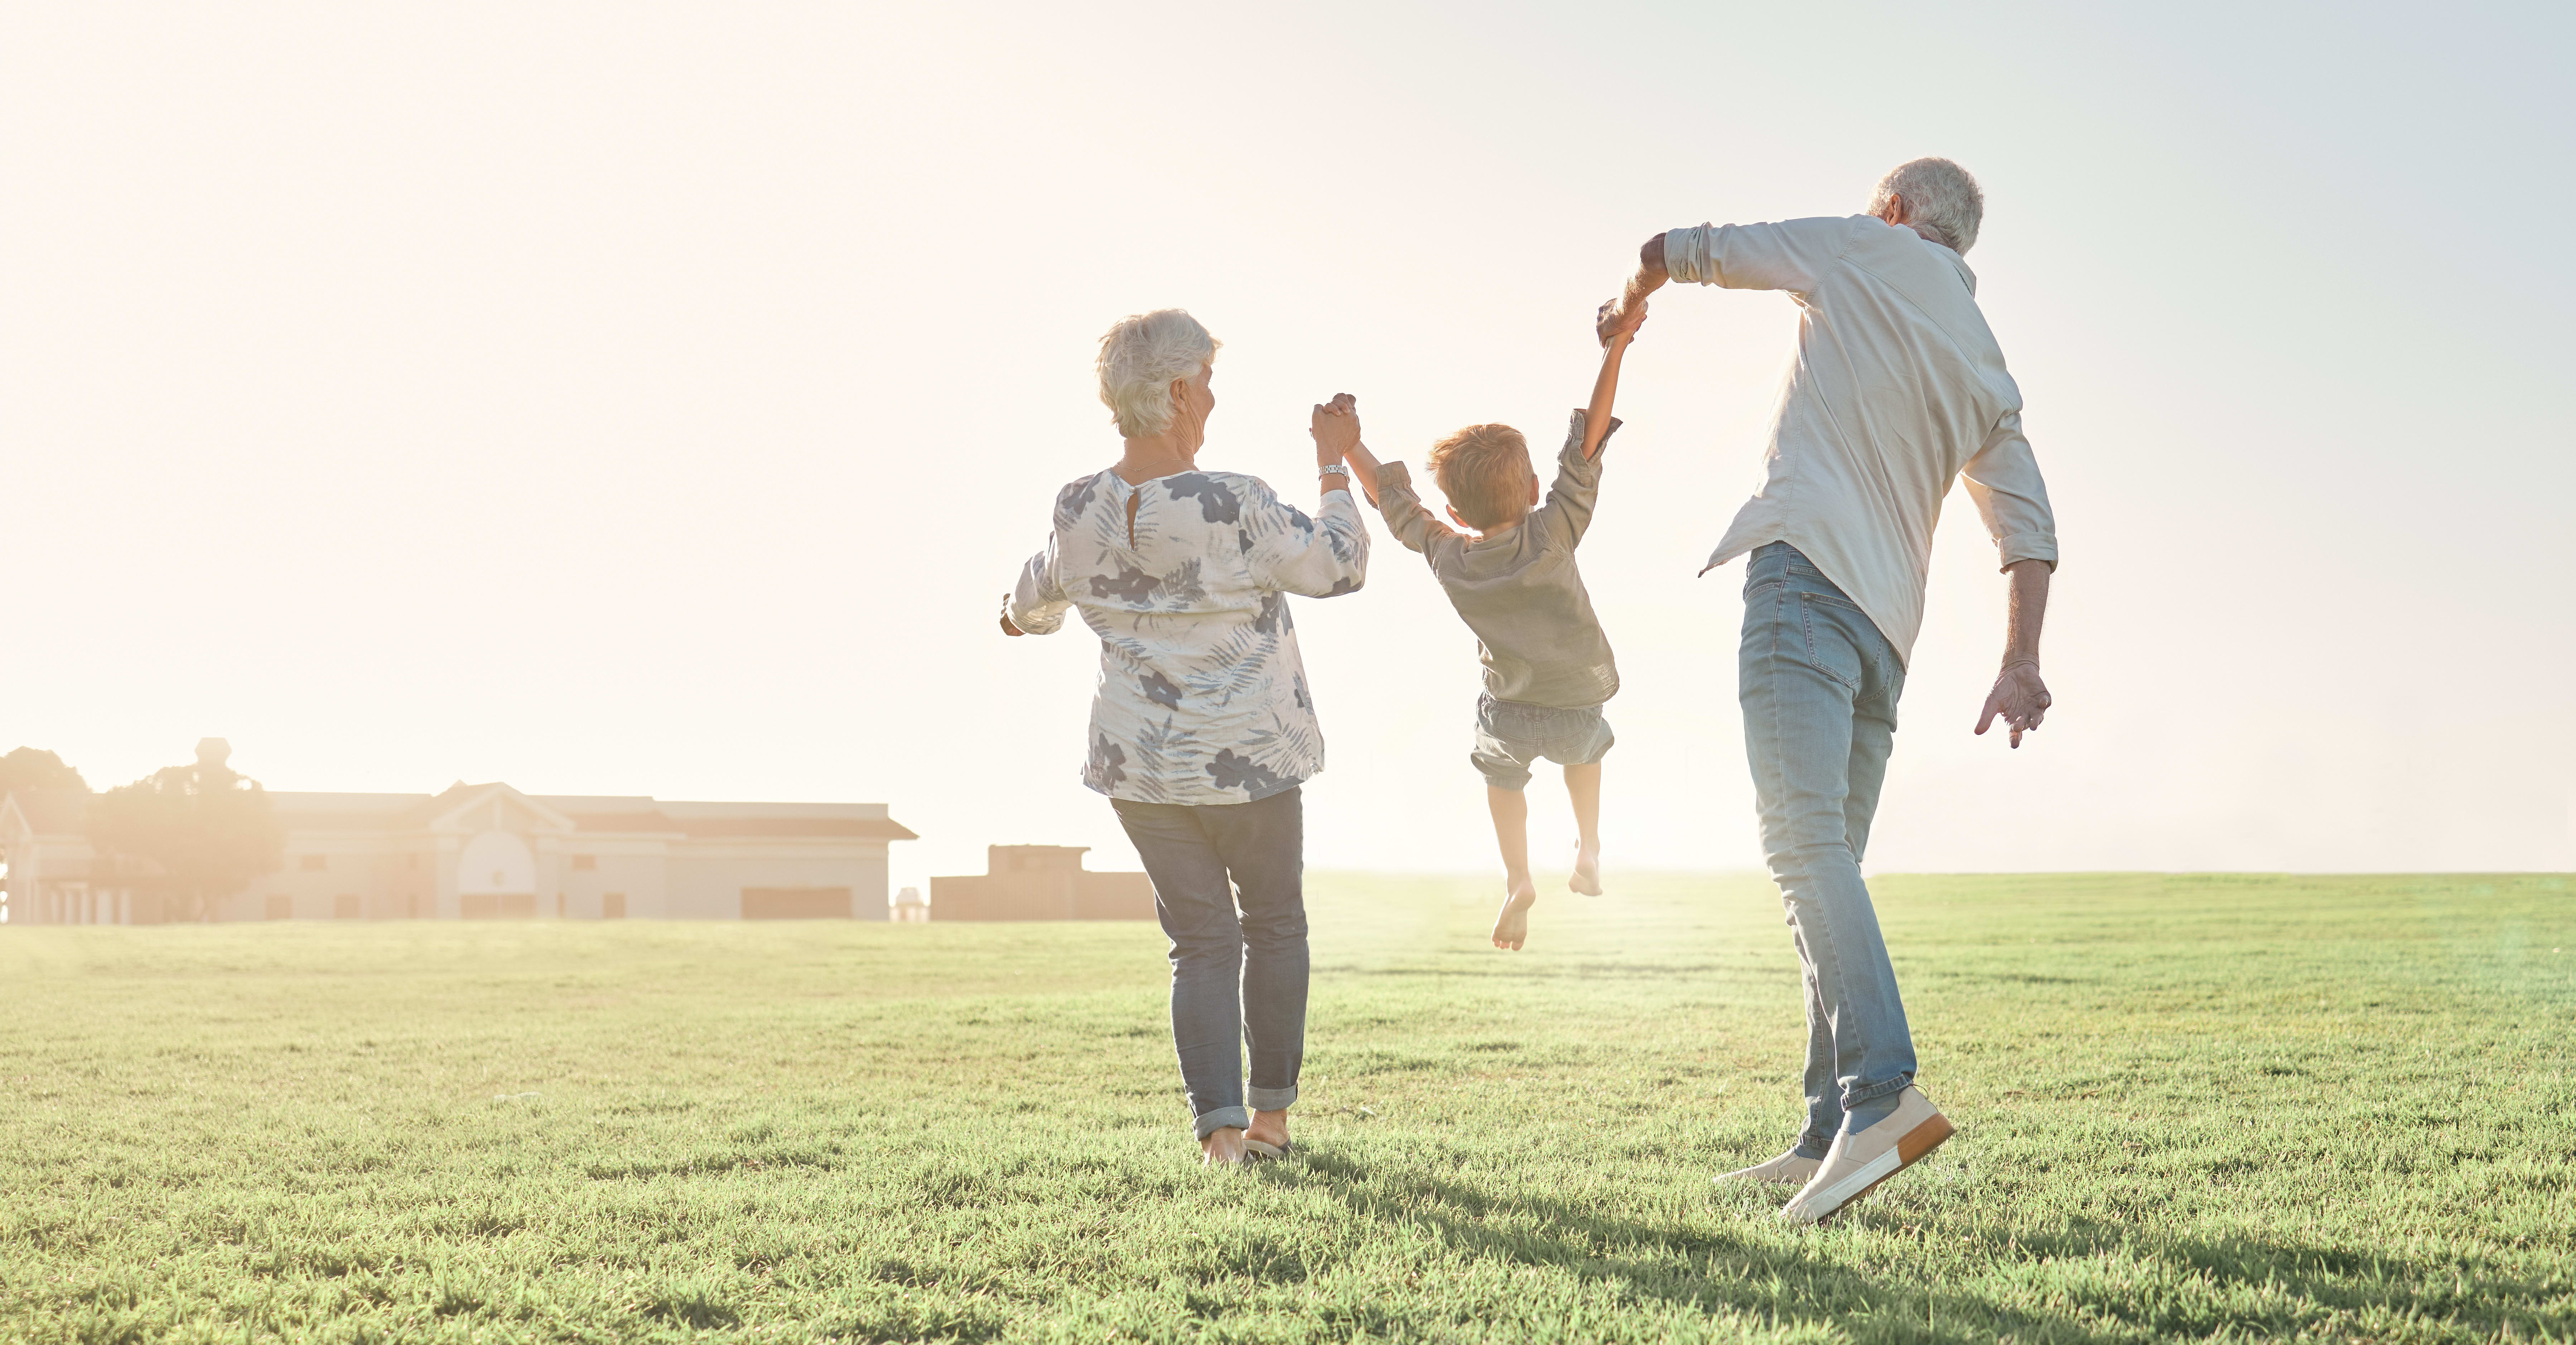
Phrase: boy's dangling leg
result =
(1511, 832)
(1583, 785)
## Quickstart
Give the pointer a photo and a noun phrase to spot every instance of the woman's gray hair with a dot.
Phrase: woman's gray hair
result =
(1139, 359)
(1942, 202)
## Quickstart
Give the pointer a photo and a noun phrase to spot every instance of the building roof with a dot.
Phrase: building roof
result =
(592, 814)
(60, 812)
(348, 812)
(52, 812)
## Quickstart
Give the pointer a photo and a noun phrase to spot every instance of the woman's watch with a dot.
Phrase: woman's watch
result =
(1333, 469)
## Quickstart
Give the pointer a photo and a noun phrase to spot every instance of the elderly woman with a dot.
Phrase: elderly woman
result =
(1203, 726)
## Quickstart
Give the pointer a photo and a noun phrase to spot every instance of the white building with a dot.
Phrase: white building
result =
(489, 851)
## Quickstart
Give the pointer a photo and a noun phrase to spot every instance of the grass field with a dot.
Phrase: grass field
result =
(2188, 1108)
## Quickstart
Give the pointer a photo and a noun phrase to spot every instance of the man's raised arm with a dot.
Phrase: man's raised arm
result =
(1788, 255)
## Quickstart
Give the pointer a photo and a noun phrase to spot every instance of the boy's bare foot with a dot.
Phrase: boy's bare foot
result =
(1587, 871)
(1223, 1148)
(1511, 924)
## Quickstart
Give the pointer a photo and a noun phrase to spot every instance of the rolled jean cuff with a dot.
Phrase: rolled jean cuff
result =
(1211, 1122)
(1880, 1089)
(1270, 1099)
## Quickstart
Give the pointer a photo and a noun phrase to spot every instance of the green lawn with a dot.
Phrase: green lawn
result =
(2188, 1108)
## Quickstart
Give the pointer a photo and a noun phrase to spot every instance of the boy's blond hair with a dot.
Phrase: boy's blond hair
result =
(1485, 471)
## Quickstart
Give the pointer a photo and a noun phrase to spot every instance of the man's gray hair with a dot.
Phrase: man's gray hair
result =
(1942, 202)
(1140, 357)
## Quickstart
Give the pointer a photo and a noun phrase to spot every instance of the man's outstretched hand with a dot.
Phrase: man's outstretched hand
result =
(1649, 278)
(2020, 697)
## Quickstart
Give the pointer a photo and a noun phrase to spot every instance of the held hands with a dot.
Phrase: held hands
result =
(1336, 427)
(1619, 319)
(2020, 697)
(1650, 277)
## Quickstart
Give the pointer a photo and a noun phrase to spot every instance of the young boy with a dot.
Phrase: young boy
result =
(1547, 665)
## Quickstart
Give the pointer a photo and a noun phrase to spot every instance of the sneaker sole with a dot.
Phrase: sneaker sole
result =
(1911, 1148)
(1747, 1175)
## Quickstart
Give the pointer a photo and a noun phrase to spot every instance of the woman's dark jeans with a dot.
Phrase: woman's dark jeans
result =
(1190, 852)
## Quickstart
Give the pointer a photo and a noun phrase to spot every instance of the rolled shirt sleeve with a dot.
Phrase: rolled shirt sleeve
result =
(1037, 603)
(1324, 556)
(2003, 479)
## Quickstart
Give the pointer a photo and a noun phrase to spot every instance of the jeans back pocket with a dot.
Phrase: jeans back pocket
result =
(1834, 646)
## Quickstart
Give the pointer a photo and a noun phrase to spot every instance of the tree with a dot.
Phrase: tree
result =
(207, 829)
(35, 768)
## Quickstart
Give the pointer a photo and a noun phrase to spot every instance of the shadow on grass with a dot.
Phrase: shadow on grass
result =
(1477, 966)
(2218, 1286)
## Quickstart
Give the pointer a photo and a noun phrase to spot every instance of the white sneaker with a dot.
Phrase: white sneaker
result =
(1787, 1170)
(1858, 1163)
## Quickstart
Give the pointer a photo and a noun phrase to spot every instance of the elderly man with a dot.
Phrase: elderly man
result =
(1897, 390)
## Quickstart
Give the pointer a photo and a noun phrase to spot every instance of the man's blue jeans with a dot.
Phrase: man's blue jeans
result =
(1819, 686)
(1238, 977)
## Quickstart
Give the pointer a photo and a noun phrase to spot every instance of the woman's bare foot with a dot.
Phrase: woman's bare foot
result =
(1270, 1130)
(1223, 1148)
(1587, 871)
(1511, 925)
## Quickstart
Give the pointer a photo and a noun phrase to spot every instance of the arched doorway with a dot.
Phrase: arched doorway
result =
(496, 877)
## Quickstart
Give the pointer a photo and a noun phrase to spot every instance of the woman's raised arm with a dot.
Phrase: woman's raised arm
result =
(1324, 556)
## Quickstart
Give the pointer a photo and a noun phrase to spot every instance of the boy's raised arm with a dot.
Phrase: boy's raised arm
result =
(1568, 511)
(1618, 326)
(1406, 520)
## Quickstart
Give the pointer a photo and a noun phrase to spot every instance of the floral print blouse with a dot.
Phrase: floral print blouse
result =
(1202, 698)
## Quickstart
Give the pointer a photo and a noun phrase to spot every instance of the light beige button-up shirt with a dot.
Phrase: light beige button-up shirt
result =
(1898, 388)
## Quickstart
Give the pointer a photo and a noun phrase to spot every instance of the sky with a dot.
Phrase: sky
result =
(656, 399)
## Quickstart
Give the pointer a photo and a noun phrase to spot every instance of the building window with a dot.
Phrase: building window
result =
(345, 906)
(411, 907)
(613, 906)
(585, 863)
(281, 908)
(796, 903)
(316, 863)
(559, 905)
